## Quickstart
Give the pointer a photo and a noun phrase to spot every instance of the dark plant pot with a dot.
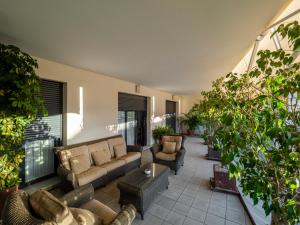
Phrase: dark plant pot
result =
(3, 196)
(190, 132)
(209, 140)
(213, 154)
(222, 181)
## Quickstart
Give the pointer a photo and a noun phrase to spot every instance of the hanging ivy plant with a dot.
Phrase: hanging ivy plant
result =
(20, 102)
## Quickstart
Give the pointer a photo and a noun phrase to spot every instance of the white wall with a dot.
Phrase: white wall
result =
(267, 42)
(94, 114)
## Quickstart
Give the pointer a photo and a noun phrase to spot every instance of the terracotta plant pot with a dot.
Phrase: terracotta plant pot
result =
(4, 194)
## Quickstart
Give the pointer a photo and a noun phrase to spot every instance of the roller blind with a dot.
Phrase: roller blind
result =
(128, 102)
(51, 126)
(42, 135)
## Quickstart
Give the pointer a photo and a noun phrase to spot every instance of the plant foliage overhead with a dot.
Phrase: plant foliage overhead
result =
(257, 128)
(20, 102)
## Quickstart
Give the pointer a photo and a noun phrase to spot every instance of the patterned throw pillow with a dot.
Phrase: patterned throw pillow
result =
(50, 208)
(169, 147)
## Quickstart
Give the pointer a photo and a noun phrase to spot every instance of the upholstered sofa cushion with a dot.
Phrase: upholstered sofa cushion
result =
(169, 147)
(65, 155)
(50, 208)
(85, 217)
(106, 214)
(165, 156)
(131, 156)
(90, 175)
(115, 141)
(101, 146)
(177, 139)
(113, 165)
(101, 156)
(80, 163)
(120, 150)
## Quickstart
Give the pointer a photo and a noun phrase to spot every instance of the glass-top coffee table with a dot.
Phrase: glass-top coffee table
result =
(140, 189)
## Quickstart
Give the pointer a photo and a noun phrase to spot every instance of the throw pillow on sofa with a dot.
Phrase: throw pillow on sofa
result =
(100, 157)
(80, 163)
(50, 208)
(120, 150)
(169, 147)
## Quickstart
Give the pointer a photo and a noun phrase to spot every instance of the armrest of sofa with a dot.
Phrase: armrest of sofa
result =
(125, 217)
(180, 153)
(68, 177)
(134, 148)
(78, 196)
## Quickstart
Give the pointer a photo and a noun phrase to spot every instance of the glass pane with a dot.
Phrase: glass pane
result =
(131, 125)
(121, 123)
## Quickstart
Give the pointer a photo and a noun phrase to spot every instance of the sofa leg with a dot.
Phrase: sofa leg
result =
(175, 172)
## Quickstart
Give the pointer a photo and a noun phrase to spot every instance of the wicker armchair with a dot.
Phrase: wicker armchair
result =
(173, 161)
(17, 210)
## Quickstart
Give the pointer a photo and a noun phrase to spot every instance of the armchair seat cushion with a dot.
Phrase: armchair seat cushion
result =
(113, 165)
(165, 156)
(106, 214)
(131, 156)
(90, 175)
(83, 216)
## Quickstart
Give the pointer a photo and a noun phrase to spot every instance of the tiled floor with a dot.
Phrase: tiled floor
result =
(188, 200)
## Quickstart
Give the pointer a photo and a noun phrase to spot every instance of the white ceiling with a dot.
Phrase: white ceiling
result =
(178, 46)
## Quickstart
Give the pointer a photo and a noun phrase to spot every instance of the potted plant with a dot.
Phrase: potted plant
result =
(20, 102)
(258, 132)
(160, 131)
(191, 120)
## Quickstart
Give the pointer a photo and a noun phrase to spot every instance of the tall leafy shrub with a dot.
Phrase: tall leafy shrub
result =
(20, 102)
(259, 128)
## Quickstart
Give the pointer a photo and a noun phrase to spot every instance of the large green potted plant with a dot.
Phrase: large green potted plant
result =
(20, 102)
(259, 131)
(191, 120)
(160, 131)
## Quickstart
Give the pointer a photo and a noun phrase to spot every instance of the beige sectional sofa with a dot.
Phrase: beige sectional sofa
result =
(96, 162)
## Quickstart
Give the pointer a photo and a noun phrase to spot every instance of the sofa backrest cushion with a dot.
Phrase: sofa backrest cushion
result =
(80, 163)
(65, 155)
(103, 154)
(100, 157)
(177, 139)
(169, 147)
(50, 208)
(115, 141)
(120, 150)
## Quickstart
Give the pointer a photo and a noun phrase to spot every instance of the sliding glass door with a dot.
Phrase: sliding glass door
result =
(132, 118)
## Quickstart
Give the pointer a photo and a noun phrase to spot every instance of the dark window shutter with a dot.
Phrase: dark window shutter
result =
(128, 102)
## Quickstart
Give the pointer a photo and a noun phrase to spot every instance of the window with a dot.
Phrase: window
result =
(45, 133)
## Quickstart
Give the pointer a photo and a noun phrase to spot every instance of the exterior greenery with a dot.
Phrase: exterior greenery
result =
(160, 131)
(255, 120)
(20, 101)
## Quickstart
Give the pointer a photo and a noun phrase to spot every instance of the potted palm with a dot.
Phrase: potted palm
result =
(20, 102)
